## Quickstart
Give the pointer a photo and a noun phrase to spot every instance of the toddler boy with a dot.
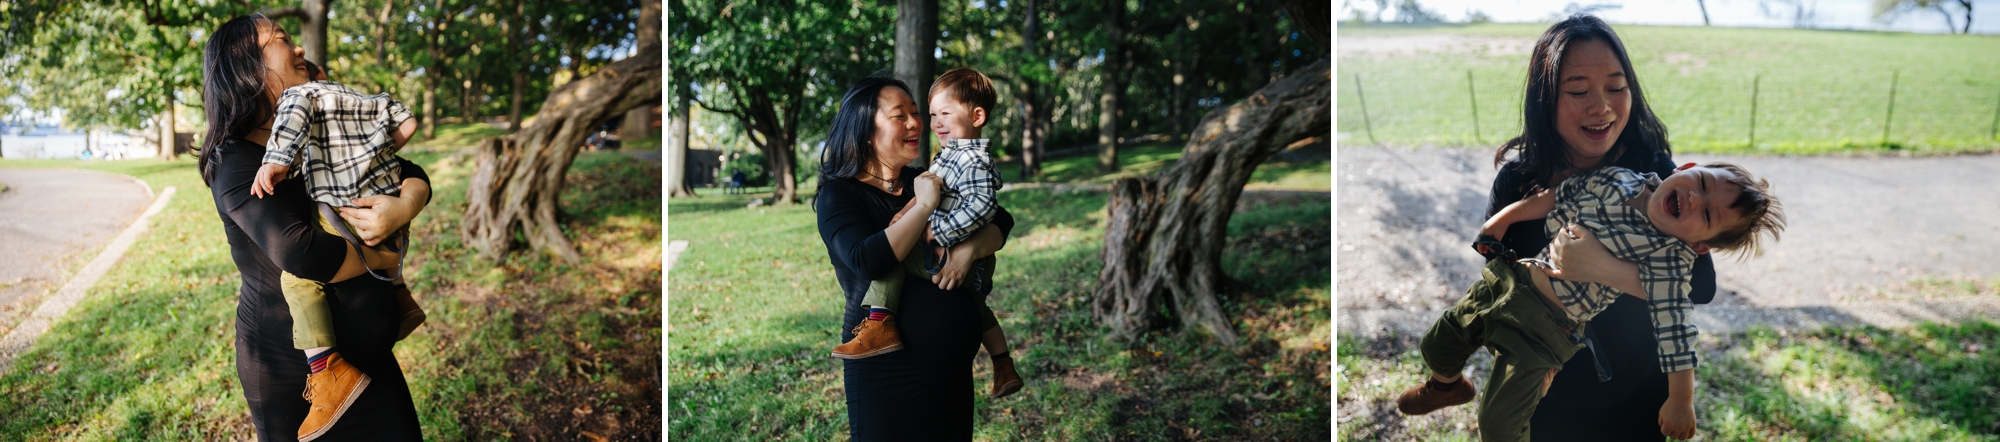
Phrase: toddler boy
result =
(1533, 324)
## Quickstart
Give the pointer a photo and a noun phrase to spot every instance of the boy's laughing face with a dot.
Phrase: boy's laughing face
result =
(952, 119)
(1693, 205)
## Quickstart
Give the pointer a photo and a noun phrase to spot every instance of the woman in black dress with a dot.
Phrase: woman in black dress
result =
(923, 392)
(247, 63)
(1614, 389)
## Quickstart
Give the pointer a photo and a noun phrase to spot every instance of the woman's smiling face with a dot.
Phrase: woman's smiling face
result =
(284, 63)
(896, 127)
(1594, 101)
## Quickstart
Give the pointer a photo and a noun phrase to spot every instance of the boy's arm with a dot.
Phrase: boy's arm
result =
(976, 184)
(406, 128)
(1677, 415)
(1533, 207)
(288, 128)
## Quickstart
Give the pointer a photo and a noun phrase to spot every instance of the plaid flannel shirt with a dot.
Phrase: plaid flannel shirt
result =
(1597, 201)
(968, 200)
(338, 140)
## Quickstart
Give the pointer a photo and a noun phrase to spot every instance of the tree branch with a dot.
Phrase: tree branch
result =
(285, 12)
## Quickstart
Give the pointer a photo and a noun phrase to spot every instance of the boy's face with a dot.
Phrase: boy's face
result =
(952, 119)
(1693, 204)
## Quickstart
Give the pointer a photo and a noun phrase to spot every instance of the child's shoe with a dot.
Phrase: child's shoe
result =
(1005, 380)
(331, 391)
(413, 315)
(871, 338)
(1433, 395)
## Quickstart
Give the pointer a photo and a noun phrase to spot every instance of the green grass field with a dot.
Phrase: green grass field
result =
(1931, 382)
(755, 309)
(1820, 91)
(527, 349)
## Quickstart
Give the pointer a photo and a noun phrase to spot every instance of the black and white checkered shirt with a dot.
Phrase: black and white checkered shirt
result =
(1597, 201)
(970, 185)
(338, 140)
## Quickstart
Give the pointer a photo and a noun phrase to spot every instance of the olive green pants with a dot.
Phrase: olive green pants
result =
(1529, 335)
(888, 291)
(312, 320)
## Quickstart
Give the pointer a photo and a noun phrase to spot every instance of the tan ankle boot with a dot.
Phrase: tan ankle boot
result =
(871, 338)
(1005, 380)
(330, 391)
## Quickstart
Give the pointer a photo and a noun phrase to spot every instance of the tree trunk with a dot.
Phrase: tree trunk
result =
(639, 121)
(518, 177)
(1704, 11)
(468, 103)
(916, 61)
(677, 144)
(431, 75)
(382, 32)
(315, 30)
(167, 151)
(1107, 102)
(520, 90)
(1031, 36)
(1165, 234)
(1259, 68)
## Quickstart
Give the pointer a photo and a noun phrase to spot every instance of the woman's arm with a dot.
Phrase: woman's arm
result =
(983, 243)
(289, 238)
(908, 230)
(376, 217)
(1578, 256)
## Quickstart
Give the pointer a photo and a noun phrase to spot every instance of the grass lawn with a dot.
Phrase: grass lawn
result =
(1820, 91)
(756, 308)
(525, 350)
(1932, 382)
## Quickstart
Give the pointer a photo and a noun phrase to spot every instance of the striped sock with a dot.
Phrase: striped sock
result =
(878, 313)
(318, 362)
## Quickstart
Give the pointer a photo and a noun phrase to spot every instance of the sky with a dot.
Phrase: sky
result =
(1828, 14)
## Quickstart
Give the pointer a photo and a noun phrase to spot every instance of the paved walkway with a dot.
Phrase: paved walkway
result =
(1883, 241)
(51, 220)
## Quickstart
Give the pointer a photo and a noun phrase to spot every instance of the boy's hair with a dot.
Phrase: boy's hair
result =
(967, 86)
(1762, 213)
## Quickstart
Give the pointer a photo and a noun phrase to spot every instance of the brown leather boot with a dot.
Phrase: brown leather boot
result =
(1433, 395)
(871, 338)
(413, 315)
(330, 391)
(1005, 380)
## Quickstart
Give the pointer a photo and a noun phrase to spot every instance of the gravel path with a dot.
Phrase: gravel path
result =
(1882, 241)
(49, 220)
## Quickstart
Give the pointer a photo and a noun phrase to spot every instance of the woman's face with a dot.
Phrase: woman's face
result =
(1593, 101)
(896, 127)
(284, 63)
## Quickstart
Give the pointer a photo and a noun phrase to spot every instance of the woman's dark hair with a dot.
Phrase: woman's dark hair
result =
(848, 151)
(1542, 153)
(232, 87)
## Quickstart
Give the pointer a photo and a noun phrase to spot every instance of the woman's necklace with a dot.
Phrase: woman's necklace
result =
(891, 184)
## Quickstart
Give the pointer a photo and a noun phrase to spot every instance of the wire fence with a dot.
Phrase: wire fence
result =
(1893, 109)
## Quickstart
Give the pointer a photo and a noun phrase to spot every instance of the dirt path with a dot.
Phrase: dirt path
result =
(1882, 241)
(49, 220)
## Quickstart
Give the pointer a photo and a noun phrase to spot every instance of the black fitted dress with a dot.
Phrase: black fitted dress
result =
(279, 232)
(1578, 406)
(924, 391)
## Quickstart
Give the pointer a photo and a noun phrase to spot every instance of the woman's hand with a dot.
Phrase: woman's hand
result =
(955, 267)
(1579, 256)
(929, 188)
(376, 217)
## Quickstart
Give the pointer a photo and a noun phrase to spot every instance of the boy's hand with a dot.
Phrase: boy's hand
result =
(955, 267)
(268, 177)
(1677, 420)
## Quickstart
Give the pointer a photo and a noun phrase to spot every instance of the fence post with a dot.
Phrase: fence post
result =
(1894, 76)
(1475, 106)
(1363, 98)
(1754, 83)
(1996, 120)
